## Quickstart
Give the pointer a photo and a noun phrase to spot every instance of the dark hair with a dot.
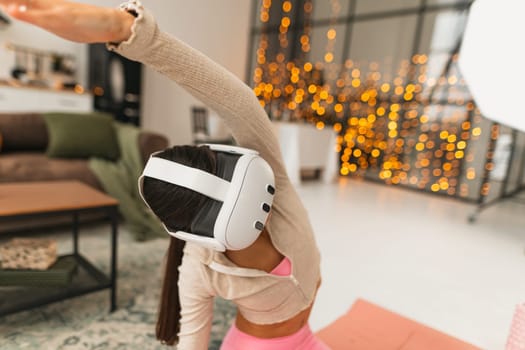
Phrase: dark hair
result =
(176, 207)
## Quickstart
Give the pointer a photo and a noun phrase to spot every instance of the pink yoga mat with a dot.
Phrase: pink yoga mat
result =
(369, 327)
(516, 340)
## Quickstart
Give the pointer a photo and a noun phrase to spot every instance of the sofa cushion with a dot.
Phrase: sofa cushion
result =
(33, 166)
(23, 132)
(81, 136)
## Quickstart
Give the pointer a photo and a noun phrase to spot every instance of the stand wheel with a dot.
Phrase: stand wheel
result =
(472, 218)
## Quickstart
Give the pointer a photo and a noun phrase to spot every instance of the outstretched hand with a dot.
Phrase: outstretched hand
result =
(73, 21)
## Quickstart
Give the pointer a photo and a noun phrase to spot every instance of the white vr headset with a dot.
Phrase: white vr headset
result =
(241, 196)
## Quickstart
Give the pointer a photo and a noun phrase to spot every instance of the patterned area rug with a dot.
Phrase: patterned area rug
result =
(84, 322)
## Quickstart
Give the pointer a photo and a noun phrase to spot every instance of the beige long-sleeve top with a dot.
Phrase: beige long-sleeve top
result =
(261, 298)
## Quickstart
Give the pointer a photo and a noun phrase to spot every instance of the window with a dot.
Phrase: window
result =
(383, 74)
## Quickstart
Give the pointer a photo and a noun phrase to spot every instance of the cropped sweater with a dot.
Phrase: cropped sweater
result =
(261, 297)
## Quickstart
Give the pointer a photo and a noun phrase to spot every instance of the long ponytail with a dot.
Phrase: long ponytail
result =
(168, 322)
(176, 207)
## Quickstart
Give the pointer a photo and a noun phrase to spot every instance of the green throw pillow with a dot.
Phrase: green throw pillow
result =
(81, 135)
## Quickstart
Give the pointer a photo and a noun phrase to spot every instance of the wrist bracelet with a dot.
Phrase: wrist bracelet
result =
(131, 6)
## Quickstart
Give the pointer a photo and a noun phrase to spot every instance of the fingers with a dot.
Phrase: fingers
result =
(14, 2)
(10, 5)
(35, 12)
(20, 10)
(6, 3)
(16, 7)
(39, 4)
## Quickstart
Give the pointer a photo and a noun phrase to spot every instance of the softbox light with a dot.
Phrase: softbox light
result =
(492, 59)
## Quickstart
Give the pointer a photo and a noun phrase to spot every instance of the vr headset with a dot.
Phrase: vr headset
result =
(240, 196)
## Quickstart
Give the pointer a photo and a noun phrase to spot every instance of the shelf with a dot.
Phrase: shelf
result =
(22, 99)
(86, 279)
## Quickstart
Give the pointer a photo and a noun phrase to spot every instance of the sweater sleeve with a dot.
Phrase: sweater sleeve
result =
(196, 301)
(209, 82)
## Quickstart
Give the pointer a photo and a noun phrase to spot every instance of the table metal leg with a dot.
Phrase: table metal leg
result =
(75, 233)
(114, 243)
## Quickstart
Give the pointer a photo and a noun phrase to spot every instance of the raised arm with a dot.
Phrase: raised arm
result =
(208, 81)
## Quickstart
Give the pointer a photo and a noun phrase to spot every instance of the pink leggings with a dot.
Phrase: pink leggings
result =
(303, 339)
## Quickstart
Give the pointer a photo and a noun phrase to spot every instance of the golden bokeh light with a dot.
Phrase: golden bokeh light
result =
(388, 124)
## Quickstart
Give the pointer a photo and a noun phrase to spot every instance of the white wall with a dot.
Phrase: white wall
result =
(220, 29)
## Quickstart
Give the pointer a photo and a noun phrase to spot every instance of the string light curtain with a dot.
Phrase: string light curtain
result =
(403, 115)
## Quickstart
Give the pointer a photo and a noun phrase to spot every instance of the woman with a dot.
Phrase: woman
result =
(274, 281)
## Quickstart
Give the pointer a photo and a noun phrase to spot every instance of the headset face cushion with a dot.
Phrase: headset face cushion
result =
(203, 223)
(226, 163)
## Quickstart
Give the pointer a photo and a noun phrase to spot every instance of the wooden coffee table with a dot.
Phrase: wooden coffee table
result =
(37, 199)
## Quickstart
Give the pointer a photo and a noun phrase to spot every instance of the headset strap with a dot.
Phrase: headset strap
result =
(188, 177)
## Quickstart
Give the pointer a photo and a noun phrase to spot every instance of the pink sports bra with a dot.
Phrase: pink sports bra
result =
(283, 269)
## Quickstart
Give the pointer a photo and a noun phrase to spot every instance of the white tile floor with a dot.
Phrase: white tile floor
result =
(417, 255)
